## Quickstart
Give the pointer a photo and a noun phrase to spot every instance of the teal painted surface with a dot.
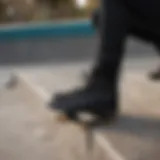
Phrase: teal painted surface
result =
(50, 29)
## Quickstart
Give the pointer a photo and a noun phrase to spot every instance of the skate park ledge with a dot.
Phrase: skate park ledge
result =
(42, 42)
(47, 29)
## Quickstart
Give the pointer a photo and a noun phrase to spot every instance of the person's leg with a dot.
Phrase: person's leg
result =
(99, 96)
(137, 32)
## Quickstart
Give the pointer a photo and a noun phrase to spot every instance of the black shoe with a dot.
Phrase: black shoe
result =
(95, 100)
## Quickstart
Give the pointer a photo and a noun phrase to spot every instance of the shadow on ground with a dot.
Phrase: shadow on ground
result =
(138, 126)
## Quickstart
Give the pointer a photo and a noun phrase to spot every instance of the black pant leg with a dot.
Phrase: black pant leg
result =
(115, 23)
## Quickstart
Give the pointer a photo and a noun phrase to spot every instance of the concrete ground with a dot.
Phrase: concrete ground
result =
(29, 131)
(136, 134)
(32, 133)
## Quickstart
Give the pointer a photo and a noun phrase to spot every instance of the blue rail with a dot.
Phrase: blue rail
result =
(48, 29)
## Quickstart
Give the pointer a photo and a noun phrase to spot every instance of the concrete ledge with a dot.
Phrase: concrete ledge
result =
(47, 42)
(37, 96)
(47, 29)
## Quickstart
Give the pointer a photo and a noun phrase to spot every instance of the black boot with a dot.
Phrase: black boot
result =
(99, 95)
(96, 97)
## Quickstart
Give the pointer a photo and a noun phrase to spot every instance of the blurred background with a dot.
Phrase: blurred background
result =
(13, 11)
